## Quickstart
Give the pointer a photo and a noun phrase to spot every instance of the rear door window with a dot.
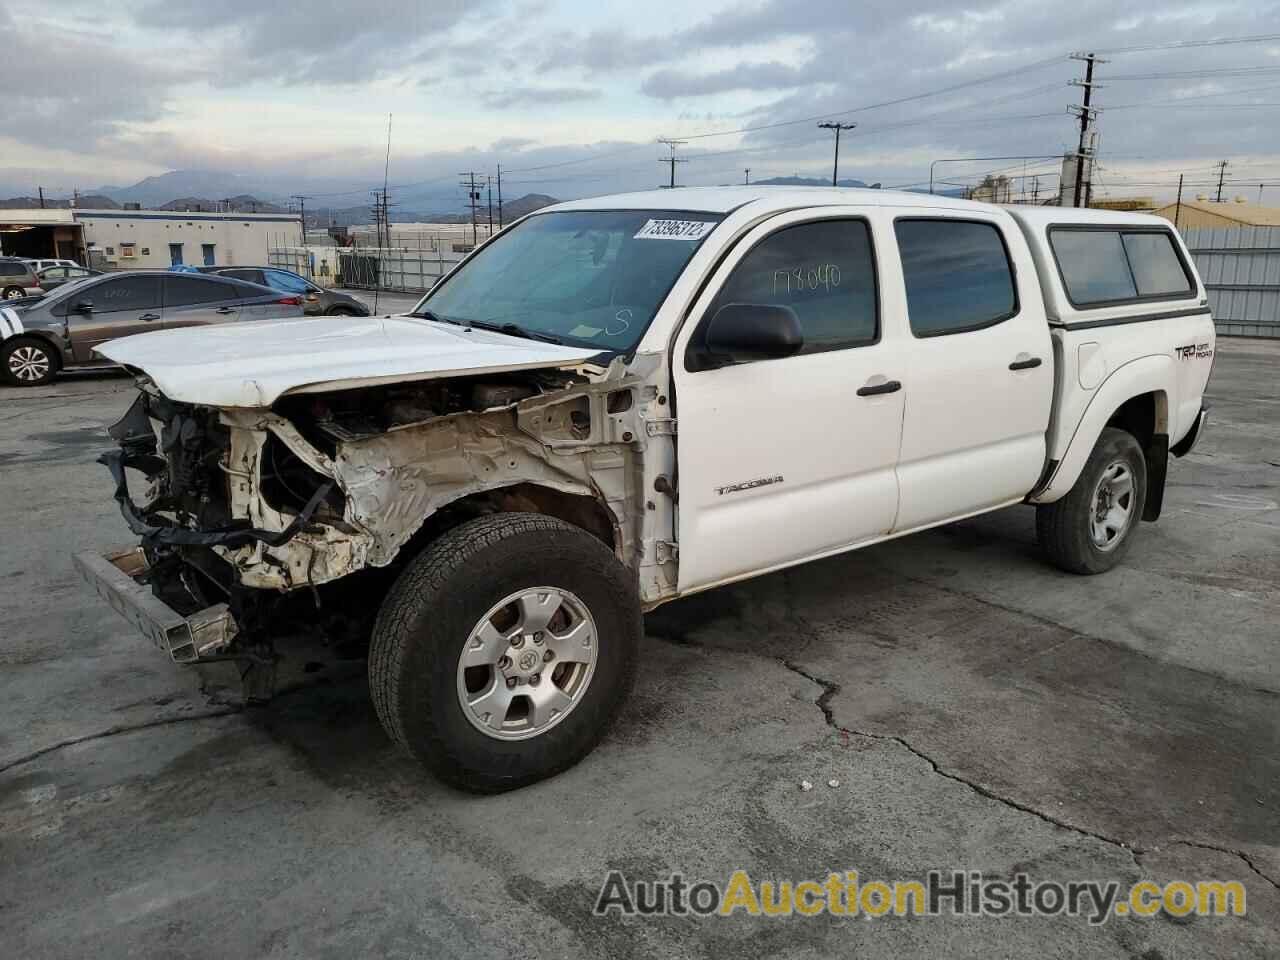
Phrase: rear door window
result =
(957, 274)
(184, 290)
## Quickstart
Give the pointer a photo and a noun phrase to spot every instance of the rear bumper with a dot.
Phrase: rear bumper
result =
(119, 578)
(1188, 443)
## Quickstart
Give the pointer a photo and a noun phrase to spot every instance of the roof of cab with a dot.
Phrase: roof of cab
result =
(1040, 217)
(726, 199)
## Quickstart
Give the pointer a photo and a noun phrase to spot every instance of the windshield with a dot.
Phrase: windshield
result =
(591, 278)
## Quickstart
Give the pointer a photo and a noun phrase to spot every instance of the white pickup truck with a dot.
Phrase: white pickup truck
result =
(620, 401)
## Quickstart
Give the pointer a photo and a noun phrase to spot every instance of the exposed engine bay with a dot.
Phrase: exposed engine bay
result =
(267, 510)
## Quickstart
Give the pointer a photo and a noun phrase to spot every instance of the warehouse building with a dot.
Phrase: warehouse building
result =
(139, 239)
(1201, 212)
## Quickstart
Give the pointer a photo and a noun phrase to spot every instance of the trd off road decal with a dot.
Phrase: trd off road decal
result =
(1194, 351)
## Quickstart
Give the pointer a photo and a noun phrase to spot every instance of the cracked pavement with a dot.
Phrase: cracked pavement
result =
(980, 711)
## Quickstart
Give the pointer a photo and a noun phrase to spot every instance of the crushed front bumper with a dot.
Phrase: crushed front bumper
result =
(120, 579)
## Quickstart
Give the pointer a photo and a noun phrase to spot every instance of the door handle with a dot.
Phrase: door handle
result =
(149, 317)
(874, 390)
(1028, 364)
(225, 310)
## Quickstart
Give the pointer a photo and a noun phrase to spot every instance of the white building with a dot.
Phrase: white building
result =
(133, 239)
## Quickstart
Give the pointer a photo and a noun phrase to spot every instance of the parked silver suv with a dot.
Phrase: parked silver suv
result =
(38, 339)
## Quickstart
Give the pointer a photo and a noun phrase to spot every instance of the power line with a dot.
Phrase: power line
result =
(977, 81)
(1194, 74)
(1183, 44)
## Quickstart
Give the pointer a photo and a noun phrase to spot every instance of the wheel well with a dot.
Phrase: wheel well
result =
(1146, 417)
(582, 511)
(1143, 416)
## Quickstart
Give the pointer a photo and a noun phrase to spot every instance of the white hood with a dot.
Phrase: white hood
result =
(252, 364)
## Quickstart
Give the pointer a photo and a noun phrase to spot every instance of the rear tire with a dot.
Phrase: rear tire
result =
(28, 362)
(447, 663)
(1091, 529)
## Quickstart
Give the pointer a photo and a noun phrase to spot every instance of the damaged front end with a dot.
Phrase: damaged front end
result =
(256, 521)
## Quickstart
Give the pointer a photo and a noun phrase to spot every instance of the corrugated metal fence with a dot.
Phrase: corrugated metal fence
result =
(1240, 267)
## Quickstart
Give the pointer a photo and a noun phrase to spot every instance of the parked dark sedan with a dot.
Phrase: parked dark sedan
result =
(316, 300)
(40, 337)
(53, 277)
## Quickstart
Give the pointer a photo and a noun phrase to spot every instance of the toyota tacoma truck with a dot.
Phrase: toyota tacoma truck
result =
(621, 401)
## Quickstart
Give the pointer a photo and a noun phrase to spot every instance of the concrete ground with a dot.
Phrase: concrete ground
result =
(980, 711)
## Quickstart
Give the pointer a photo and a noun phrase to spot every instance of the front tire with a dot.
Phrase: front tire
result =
(27, 362)
(1091, 529)
(13, 293)
(504, 649)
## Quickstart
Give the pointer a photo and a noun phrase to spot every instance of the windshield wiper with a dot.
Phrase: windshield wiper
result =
(431, 315)
(515, 330)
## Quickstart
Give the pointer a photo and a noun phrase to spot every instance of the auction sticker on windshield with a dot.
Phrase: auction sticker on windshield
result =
(675, 230)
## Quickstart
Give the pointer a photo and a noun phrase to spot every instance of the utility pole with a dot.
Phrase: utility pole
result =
(1086, 113)
(746, 176)
(488, 182)
(673, 159)
(837, 127)
(1222, 172)
(41, 191)
(499, 196)
(302, 207)
(1177, 207)
(473, 198)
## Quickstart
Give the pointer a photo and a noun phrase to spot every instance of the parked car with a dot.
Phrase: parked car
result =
(41, 337)
(51, 278)
(17, 279)
(38, 265)
(316, 299)
(843, 366)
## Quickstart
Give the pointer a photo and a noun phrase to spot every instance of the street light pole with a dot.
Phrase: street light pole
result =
(837, 127)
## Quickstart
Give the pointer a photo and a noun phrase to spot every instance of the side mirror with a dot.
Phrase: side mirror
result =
(83, 306)
(742, 332)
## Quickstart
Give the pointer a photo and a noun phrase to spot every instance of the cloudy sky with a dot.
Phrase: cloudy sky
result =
(570, 95)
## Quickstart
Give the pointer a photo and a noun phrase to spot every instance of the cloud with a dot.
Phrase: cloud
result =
(535, 96)
(92, 90)
(511, 144)
(670, 84)
(300, 41)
